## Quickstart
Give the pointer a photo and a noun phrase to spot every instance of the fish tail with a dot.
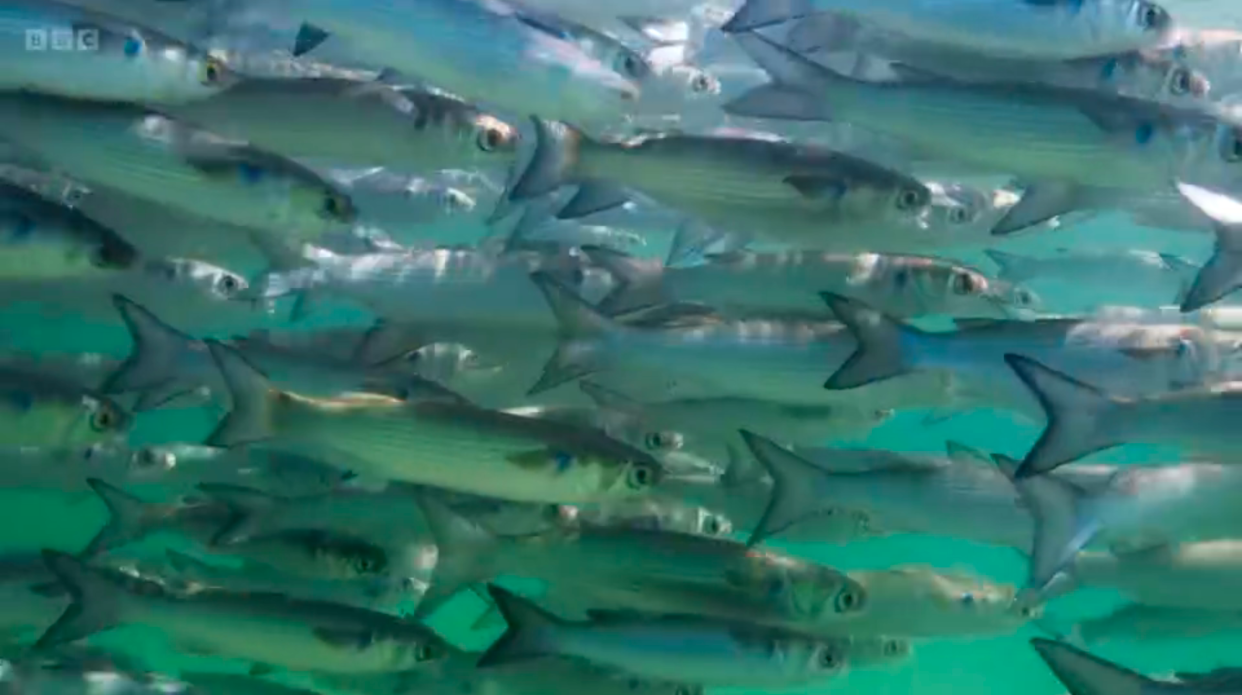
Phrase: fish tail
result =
(794, 484)
(1221, 274)
(787, 97)
(127, 518)
(386, 341)
(691, 242)
(576, 319)
(1066, 521)
(185, 565)
(250, 419)
(1013, 267)
(827, 31)
(756, 14)
(252, 510)
(1073, 410)
(879, 354)
(593, 197)
(530, 635)
(97, 604)
(1084, 674)
(152, 365)
(637, 286)
(605, 398)
(463, 548)
(554, 162)
(1043, 201)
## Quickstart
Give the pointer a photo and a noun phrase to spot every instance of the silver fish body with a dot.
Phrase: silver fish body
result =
(386, 126)
(1026, 30)
(107, 58)
(139, 152)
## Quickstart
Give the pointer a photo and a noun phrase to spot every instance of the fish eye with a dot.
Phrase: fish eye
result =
(891, 647)
(228, 285)
(701, 83)
(1232, 151)
(963, 284)
(849, 600)
(104, 419)
(337, 207)
(828, 659)
(641, 476)
(959, 215)
(365, 565)
(148, 458)
(664, 441)
(211, 72)
(426, 652)
(132, 46)
(910, 199)
(631, 65)
(1028, 612)
(711, 525)
(967, 599)
(491, 138)
(1152, 17)
(1180, 82)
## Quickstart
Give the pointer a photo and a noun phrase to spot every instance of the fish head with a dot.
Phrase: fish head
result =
(347, 558)
(1130, 23)
(1160, 74)
(923, 285)
(160, 68)
(879, 650)
(580, 89)
(822, 657)
(962, 603)
(203, 278)
(59, 417)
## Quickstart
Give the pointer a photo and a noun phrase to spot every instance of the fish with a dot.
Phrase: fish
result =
(1046, 135)
(637, 644)
(961, 496)
(1034, 30)
(1186, 575)
(310, 117)
(773, 359)
(43, 240)
(109, 58)
(732, 182)
(138, 151)
(1090, 675)
(517, 458)
(903, 286)
(485, 52)
(1082, 419)
(265, 628)
(1162, 273)
(439, 287)
(673, 569)
(44, 410)
(1135, 359)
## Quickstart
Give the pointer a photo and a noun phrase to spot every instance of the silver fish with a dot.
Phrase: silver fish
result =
(268, 628)
(1017, 30)
(356, 123)
(1083, 419)
(724, 653)
(461, 446)
(145, 154)
(108, 58)
(40, 239)
(735, 183)
(1048, 135)
(906, 286)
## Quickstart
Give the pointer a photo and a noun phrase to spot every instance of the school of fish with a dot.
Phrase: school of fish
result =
(589, 321)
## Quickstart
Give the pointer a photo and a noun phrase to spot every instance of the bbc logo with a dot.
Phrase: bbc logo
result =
(62, 40)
